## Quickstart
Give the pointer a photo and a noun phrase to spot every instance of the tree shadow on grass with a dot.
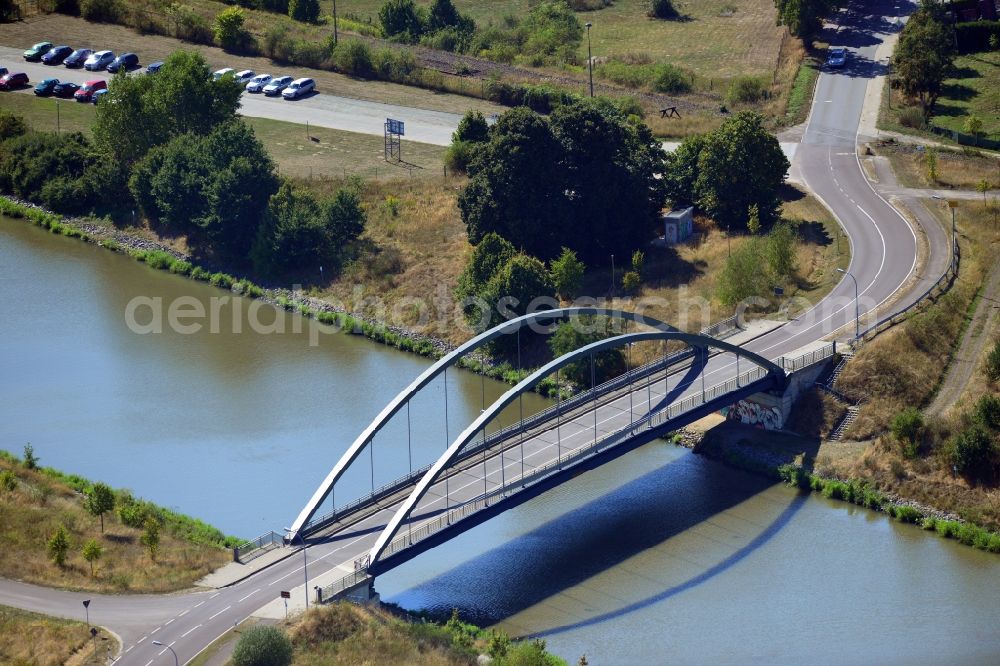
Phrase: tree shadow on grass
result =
(814, 233)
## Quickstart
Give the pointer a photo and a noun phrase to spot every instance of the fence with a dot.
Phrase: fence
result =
(809, 358)
(254, 548)
(964, 139)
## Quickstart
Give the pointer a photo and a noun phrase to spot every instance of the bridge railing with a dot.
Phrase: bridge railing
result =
(341, 585)
(415, 535)
(809, 358)
(249, 550)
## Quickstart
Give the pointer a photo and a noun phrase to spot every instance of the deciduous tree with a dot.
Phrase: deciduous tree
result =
(92, 551)
(58, 546)
(925, 54)
(567, 274)
(100, 499)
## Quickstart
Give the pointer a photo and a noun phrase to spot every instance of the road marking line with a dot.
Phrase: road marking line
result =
(182, 614)
(129, 649)
(249, 595)
(220, 612)
(214, 595)
(154, 631)
(141, 639)
(149, 662)
(197, 604)
(168, 621)
(184, 635)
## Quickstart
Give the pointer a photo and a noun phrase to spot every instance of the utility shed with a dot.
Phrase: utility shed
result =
(678, 225)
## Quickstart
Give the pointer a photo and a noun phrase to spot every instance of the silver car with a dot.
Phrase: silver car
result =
(222, 72)
(243, 77)
(298, 88)
(99, 60)
(276, 86)
(258, 82)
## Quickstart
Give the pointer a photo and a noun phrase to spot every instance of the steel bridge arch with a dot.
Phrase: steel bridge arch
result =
(439, 367)
(694, 340)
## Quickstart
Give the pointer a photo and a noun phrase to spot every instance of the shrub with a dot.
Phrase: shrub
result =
(908, 514)
(229, 31)
(458, 156)
(993, 363)
(670, 79)
(631, 282)
(973, 453)
(747, 90)
(306, 11)
(912, 116)
(58, 545)
(8, 480)
(354, 57)
(987, 412)
(663, 9)
(189, 25)
(907, 424)
(262, 646)
(401, 18)
(11, 125)
(103, 11)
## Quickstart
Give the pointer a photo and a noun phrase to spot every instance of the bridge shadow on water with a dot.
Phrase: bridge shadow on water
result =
(594, 538)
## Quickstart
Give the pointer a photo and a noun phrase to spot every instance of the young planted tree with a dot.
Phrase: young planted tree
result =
(99, 500)
(974, 126)
(92, 551)
(930, 160)
(151, 536)
(567, 274)
(30, 459)
(58, 546)
(229, 30)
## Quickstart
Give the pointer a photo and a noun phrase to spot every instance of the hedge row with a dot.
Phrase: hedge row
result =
(975, 36)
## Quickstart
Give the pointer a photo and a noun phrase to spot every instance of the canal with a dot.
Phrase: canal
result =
(659, 557)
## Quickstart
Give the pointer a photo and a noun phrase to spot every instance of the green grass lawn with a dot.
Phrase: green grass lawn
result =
(323, 153)
(711, 41)
(975, 90)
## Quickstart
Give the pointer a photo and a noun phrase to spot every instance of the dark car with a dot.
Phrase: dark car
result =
(3, 71)
(77, 58)
(125, 61)
(87, 90)
(65, 89)
(56, 55)
(154, 67)
(35, 53)
(13, 80)
(46, 87)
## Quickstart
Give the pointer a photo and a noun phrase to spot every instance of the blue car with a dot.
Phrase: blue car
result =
(46, 87)
(77, 58)
(125, 61)
(56, 55)
(98, 95)
(154, 67)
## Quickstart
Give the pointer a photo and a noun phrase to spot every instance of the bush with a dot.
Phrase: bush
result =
(974, 36)
(458, 156)
(908, 514)
(229, 31)
(987, 412)
(262, 646)
(189, 25)
(11, 125)
(104, 11)
(670, 79)
(401, 18)
(993, 363)
(973, 453)
(354, 57)
(907, 424)
(747, 90)
(306, 11)
(912, 116)
(663, 9)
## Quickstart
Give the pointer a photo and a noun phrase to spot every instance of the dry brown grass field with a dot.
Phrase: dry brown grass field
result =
(955, 169)
(53, 642)
(32, 512)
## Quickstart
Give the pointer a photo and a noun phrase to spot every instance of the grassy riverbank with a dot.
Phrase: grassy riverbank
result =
(36, 503)
(53, 641)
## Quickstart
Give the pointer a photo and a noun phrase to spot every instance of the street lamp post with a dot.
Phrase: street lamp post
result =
(176, 661)
(857, 310)
(590, 60)
(953, 204)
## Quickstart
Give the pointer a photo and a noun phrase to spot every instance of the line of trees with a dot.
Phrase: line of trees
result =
(804, 18)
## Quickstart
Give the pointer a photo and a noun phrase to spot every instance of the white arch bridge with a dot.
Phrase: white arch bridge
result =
(481, 475)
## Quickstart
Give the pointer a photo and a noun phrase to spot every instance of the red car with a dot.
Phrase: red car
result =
(13, 80)
(87, 90)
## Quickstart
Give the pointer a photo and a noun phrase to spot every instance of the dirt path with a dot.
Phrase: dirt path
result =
(977, 335)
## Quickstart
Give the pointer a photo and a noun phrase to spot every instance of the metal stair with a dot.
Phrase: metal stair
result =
(845, 357)
(849, 416)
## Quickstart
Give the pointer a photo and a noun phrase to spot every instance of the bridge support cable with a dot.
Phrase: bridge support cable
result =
(767, 371)
(447, 440)
(409, 438)
(593, 389)
(558, 420)
(306, 519)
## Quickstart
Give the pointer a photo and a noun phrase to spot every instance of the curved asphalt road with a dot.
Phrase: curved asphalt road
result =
(884, 257)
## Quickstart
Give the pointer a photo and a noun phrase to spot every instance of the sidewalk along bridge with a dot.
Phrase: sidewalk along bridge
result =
(481, 475)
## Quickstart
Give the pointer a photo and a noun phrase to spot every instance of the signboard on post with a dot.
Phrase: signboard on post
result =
(285, 596)
(393, 147)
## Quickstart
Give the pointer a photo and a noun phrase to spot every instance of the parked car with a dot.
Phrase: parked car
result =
(87, 90)
(277, 85)
(3, 71)
(35, 53)
(258, 82)
(99, 60)
(65, 89)
(98, 95)
(13, 80)
(837, 57)
(154, 67)
(222, 72)
(125, 61)
(298, 88)
(243, 77)
(77, 58)
(46, 87)
(56, 55)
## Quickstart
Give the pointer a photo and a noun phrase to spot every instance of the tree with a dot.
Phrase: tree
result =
(401, 17)
(742, 278)
(92, 551)
(306, 11)
(740, 165)
(681, 172)
(580, 332)
(182, 98)
(100, 499)
(151, 536)
(513, 290)
(663, 9)
(472, 128)
(974, 126)
(907, 424)
(804, 18)
(229, 30)
(490, 255)
(987, 411)
(993, 363)
(301, 231)
(780, 251)
(58, 546)
(983, 186)
(567, 274)
(30, 459)
(925, 54)
(9, 10)
(753, 219)
(262, 645)
(930, 159)
(974, 454)
(443, 14)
